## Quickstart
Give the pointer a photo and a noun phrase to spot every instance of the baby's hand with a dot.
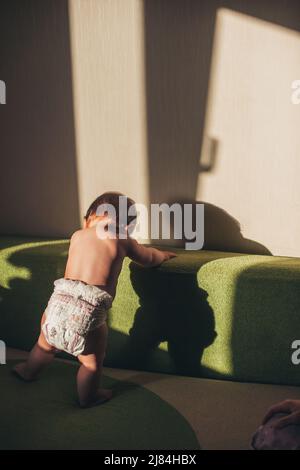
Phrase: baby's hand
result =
(168, 255)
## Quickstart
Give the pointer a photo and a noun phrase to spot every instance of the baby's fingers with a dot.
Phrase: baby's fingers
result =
(170, 254)
(282, 407)
(293, 418)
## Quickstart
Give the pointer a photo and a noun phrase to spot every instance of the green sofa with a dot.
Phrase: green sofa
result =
(204, 314)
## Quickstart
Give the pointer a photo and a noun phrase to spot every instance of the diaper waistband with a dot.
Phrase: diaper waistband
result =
(77, 289)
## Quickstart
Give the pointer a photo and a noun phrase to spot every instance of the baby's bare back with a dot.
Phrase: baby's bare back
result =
(95, 261)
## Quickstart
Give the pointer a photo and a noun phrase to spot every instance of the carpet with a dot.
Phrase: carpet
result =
(44, 415)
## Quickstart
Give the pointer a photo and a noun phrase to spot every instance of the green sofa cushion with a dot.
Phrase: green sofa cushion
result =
(204, 313)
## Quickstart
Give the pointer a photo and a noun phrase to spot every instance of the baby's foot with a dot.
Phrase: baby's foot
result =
(103, 395)
(21, 371)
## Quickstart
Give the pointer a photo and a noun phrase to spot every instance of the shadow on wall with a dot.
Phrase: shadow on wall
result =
(178, 49)
(38, 166)
(222, 232)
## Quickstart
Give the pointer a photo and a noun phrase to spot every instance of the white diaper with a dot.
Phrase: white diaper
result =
(74, 309)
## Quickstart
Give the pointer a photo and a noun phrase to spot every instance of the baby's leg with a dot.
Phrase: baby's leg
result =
(89, 374)
(40, 356)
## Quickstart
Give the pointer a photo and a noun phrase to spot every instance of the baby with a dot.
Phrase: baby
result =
(75, 318)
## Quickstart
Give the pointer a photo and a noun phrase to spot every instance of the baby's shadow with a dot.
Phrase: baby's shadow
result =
(172, 309)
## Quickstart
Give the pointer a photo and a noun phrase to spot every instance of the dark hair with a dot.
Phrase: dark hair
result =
(113, 199)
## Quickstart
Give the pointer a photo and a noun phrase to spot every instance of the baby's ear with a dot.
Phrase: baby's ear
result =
(85, 224)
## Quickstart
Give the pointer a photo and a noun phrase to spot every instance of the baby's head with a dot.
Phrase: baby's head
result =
(108, 206)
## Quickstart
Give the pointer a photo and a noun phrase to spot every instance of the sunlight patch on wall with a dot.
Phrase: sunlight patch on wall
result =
(109, 98)
(251, 117)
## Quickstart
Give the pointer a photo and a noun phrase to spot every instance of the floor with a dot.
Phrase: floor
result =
(223, 414)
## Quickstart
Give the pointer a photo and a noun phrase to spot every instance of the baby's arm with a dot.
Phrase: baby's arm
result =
(147, 256)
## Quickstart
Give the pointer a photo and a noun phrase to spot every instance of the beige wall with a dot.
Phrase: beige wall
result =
(38, 180)
(256, 126)
(163, 100)
(109, 97)
(191, 101)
